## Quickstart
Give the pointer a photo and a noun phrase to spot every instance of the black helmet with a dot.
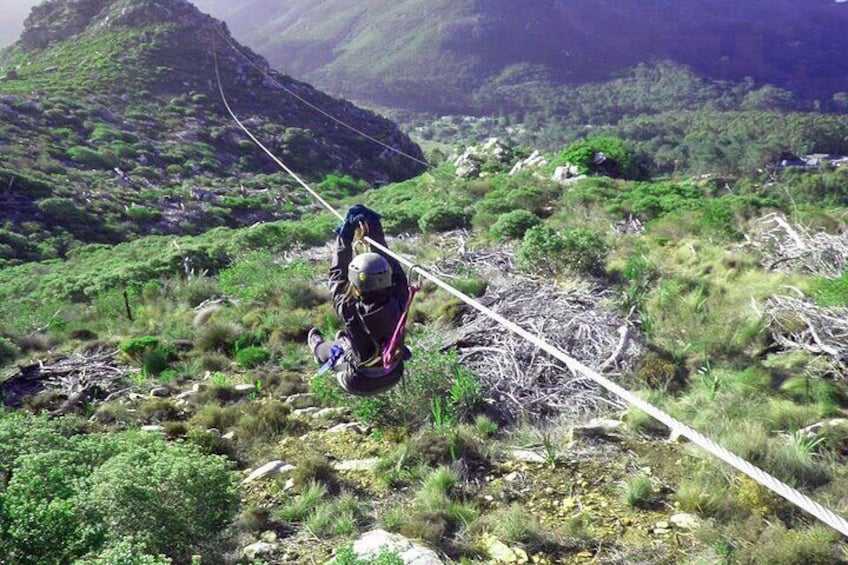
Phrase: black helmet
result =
(369, 272)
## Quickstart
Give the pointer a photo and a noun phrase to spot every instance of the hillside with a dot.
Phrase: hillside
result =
(441, 56)
(177, 411)
(111, 125)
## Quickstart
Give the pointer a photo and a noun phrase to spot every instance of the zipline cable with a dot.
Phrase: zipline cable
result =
(774, 484)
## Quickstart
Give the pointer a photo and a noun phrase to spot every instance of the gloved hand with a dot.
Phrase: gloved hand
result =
(356, 215)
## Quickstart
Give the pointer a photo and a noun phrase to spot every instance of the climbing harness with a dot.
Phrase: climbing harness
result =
(393, 350)
(777, 486)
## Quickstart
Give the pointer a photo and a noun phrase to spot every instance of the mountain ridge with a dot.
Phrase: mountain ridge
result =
(432, 56)
(119, 106)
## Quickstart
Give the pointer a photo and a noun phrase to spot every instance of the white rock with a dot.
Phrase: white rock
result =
(354, 427)
(372, 543)
(525, 456)
(257, 549)
(816, 428)
(244, 388)
(597, 428)
(303, 400)
(685, 521)
(331, 413)
(154, 429)
(305, 412)
(357, 465)
(269, 470)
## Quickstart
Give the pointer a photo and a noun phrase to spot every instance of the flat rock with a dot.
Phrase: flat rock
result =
(354, 427)
(244, 388)
(597, 428)
(302, 400)
(270, 470)
(331, 413)
(258, 549)
(685, 521)
(372, 543)
(525, 456)
(305, 412)
(357, 465)
(816, 428)
(154, 429)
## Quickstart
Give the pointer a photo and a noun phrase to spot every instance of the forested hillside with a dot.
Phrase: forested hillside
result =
(111, 126)
(448, 56)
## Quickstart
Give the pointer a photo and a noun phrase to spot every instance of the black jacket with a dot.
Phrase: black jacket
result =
(371, 320)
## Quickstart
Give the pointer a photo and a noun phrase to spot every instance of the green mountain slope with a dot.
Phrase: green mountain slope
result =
(434, 55)
(111, 125)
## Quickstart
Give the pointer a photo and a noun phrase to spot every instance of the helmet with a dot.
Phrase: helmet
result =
(369, 272)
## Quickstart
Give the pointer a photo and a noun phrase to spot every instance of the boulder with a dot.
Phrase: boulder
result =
(597, 428)
(357, 465)
(303, 400)
(331, 413)
(684, 521)
(270, 470)
(535, 161)
(372, 543)
(258, 549)
(244, 389)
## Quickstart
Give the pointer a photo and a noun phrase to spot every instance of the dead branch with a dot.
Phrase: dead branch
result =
(793, 248)
(79, 378)
(796, 323)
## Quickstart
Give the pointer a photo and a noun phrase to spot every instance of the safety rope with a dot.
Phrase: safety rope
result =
(777, 486)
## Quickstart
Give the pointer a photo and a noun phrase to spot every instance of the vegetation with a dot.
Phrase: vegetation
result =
(207, 321)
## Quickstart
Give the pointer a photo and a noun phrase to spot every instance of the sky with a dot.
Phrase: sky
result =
(12, 16)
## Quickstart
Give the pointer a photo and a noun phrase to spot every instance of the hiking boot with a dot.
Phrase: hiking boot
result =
(313, 340)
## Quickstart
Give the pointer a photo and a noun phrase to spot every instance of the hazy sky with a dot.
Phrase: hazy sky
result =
(12, 16)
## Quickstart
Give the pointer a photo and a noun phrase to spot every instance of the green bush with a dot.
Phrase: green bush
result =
(513, 225)
(251, 357)
(8, 351)
(91, 158)
(578, 250)
(607, 156)
(443, 218)
(171, 498)
(125, 552)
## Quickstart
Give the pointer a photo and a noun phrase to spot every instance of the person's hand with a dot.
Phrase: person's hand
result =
(361, 214)
(357, 215)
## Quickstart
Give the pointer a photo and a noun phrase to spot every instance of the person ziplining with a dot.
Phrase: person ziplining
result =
(371, 296)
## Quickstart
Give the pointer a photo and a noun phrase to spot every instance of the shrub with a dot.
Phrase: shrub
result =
(218, 336)
(601, 155)
(578, 250)
(638, 492)
(8, 351)
(251, 357)
(71, 496)
(124, 552)
(91, 158)
(443, 218)
(174, 501)
(513, 225)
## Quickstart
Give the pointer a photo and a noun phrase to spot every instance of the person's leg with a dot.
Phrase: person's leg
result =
(321, 350)
(367, 386)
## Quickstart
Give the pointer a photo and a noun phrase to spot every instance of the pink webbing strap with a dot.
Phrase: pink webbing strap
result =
(392, 350)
